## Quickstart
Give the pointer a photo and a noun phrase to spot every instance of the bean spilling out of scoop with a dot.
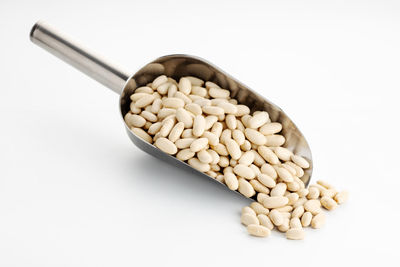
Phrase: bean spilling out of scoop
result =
(200, 124)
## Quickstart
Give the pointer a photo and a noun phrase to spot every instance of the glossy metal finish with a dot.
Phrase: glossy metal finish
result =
(174, 66)
(78, 56)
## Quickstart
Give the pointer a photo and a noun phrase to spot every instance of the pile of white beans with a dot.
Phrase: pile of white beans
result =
(200, 124)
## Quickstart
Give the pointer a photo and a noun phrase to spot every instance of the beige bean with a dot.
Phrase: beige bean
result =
(218, 93)
(144, 101)
(185, 86)
(302, 192)
(293, 197)
(173, 102)
(167, 126)
(248, 218)
(134, 109)
(217, 129)
(300, 161)
(248, 210)
(279, 190)
(220, 178)
(289, 168)
(325, 184)
(328, 193)
(211, 85)
(166, 145)
(266, 180)
(313, 193)
(204, 156)
(215, 157)
(255, 137)
(134, 120)
(195, 81)
(185, 154)
(259, 187)
(149, 116)
(194, 108)
(210, 120)
(228, 108)
(183, 115)
(231, 181)
(341, 197)
(271, 128)
(212, 110)
(284, 226)
(276, 217)
(198, 165)
(306, 219)
(298, 212)
(265, 221)
(163, 88)
(313, 206)
(144, 89)
(246, 146)
(202, 102)
(247, 158)
(136, 96)
(299, 171)
(199, 125)
(176, 132)
(261, 197)
(275, 202)
(258, 230)
(225, 135)
(293, 186)
(259, 208)
(184, 143)
(223, 161)
(244, 171)
(199, 91)
(184, 97)
(295, 234)
(199, 144)
(318, 221)
(238, 136)
(295, 223)
(233, 149)
(154, 128)
(212, 138)
(284, 175)
(221, 150)
(242, 110)
(165, 112)
(328, 203)
(172, 90)
(283, 153)
(245, 188)
(142, 134)
(231, 122)
(285, 210)
(269, 170)
(275, 140)
(268, 155)
(187, 133)
(258, 120)
(159, 81)
(300, 202)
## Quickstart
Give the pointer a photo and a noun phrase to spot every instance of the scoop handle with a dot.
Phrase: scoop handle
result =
(78, 56)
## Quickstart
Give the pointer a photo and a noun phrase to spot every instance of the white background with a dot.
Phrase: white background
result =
(75, 192)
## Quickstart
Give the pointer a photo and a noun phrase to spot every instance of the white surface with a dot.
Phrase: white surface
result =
(75, 192)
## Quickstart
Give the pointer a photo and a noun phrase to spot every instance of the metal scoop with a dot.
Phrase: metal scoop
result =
(174, 66)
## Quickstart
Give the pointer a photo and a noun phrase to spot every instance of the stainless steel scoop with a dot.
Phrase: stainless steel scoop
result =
(174, 66)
